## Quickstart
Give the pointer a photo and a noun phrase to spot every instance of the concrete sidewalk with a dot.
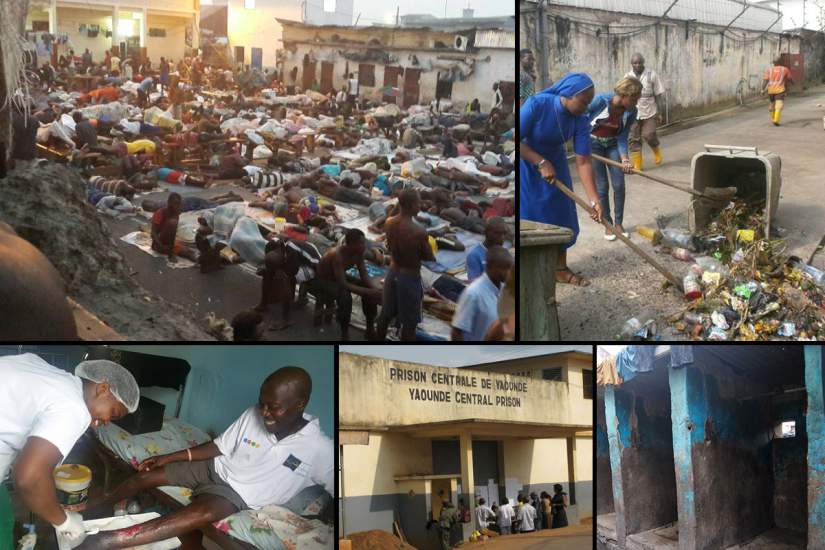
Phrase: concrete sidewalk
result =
(623, 285)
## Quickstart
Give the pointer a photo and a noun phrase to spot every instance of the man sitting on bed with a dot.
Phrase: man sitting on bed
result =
(266, 457)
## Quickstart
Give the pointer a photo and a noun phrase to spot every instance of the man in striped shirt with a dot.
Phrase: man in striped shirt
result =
(527, 79)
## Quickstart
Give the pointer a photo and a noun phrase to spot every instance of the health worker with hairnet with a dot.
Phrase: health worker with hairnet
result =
(43, 412)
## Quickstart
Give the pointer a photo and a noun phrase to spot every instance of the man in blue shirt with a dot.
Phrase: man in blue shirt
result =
(478, 305)
(494, 235)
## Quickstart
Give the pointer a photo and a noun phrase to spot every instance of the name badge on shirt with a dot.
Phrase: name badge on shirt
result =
(292, 462)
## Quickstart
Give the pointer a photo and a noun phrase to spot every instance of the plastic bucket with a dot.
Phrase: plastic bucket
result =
(72, 482)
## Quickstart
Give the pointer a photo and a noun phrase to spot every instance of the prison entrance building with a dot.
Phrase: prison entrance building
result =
(711, 447)
(412, 435)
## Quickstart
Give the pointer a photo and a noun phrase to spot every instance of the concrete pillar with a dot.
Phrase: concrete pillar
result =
(115, 22)
(53, 16)
(815, 420)
(143, 23)
(572, 476)
(616, 444)
(467, 486)
(682, 431)
(196, 31)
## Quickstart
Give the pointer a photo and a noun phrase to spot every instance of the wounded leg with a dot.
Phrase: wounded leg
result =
(203, 511)
(129, 488)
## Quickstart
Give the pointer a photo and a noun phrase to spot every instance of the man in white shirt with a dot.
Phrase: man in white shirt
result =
(505, 517)
(648, 112)
(527, 517)
(266, 457)
(483, 514)
(43, 412)
(352, 90)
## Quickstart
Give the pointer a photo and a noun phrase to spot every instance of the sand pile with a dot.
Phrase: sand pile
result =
(377, 540)
(46, 204)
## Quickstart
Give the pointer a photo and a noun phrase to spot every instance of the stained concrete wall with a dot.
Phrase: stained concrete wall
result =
(369, 380)
(719, 443)
(700, 69)
(815, 421)
(604, 489)
(641, 449)
(790, 467)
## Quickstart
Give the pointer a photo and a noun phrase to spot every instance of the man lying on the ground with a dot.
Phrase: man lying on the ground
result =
(331, 287)
(266, 457)
(85, 133)
(190, 203)
(168, 175)
(32, 293)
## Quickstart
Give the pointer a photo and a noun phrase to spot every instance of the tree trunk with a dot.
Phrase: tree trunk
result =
(12, 24)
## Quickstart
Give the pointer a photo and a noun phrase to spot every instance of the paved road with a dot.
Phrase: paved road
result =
(622, 284)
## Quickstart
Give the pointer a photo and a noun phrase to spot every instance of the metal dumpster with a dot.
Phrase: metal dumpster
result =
(539, 247)
(756, 176)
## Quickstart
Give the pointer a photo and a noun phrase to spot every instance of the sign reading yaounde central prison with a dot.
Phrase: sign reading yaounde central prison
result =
(377, 392)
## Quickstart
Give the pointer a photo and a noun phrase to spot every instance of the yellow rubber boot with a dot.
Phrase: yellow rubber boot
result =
(657, 155)
(636, 159)
(776, 115)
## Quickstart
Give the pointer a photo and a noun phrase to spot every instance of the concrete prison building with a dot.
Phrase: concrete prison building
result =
(410, 432)
(711, 447)
(404, 65)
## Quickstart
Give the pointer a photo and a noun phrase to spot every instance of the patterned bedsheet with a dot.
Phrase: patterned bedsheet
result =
(272, 528)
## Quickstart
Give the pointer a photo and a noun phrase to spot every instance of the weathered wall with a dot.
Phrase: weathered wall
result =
(257, 28)
(173, 45)
(815, 421)
(729, 441)
(604, 489)
(641, 459)
(700, 69)
(370, 380)
(790, 468)
(812, 47)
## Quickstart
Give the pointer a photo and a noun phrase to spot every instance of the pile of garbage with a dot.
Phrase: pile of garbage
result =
(739, 283)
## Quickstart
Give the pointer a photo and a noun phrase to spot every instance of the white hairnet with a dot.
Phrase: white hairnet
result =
(121, 382)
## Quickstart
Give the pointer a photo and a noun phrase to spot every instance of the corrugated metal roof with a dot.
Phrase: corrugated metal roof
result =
(712, 12)
(494, 38)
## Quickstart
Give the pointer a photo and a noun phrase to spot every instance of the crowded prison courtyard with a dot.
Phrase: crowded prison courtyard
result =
(270, 171)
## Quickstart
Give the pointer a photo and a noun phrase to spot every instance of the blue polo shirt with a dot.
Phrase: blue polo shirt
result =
(476, 261)
(477, 309)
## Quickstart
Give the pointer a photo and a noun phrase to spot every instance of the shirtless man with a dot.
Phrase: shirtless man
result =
(403, 291)
(278, 282)
(331, 285)
(32, 293)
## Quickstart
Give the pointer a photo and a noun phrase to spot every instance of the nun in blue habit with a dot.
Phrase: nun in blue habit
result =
(547, 121)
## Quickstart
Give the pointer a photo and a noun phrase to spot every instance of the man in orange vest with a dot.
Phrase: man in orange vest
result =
(774, 83)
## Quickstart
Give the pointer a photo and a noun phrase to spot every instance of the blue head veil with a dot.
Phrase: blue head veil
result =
(570, 85)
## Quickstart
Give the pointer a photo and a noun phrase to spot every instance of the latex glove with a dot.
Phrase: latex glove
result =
(71, 533)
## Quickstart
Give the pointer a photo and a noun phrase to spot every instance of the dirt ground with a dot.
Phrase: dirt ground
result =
(577, 537)
(623, 285)
(46, 204)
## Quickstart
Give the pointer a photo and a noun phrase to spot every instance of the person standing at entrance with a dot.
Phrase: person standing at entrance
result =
(649, 111)
(774, 84)
(446, 520)
(483, 514)
(505, 517)
(560, 503)
(527, 517)
(352, 90)
(547, 506)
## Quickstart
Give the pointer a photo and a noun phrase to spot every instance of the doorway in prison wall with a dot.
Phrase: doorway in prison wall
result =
(309, 75)
(391, 75)
(411, 86)
(326, 77)
(486, 465)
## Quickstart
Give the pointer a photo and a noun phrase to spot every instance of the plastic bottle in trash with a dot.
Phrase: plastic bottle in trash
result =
(639, 327)
(817, 275)
(678, 237)
(692, 288)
